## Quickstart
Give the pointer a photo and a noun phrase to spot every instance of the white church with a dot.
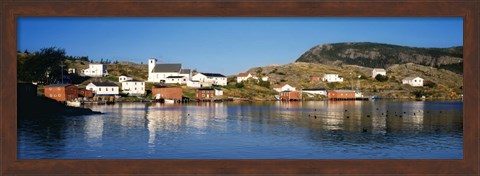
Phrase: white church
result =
(167, 73)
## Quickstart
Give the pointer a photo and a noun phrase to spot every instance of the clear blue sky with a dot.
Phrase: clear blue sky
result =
(225, 45)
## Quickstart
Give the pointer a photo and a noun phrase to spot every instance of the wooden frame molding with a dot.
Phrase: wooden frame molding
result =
(11, 10)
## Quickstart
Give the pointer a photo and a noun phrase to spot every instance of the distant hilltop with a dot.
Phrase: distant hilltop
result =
(379, 55)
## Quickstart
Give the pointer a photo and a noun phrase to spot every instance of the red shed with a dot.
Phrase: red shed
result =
(205, 94)
(291, 95)
(61, 92)
(173, 93)
(83, 92)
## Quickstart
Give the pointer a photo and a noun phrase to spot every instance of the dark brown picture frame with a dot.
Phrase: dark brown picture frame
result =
(11, 10)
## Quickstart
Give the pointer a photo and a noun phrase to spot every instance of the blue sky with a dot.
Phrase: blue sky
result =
(225, 45)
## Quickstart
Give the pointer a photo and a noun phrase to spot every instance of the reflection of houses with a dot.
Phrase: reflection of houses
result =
(214, 78)
(283, 87)
(378, 71)
(103, 88)
(96, 70)
(413, 81)
(164, 92)
(332, 78)
(341, 94)
(208, 94)
(61, 92)
(290, 95)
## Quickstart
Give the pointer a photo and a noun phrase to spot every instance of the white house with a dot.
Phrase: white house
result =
(72, 70)
(176, 79)
(187, 73)
(378, 71)
(218, 92)
(283, 87)
(413, 81)
(245, 76)
(95, 70)
(214, 78)
(318, 91)
(160, 72)
(103, 88)
(124, 78)
(198, 84)
(133, 87)
(332, 78)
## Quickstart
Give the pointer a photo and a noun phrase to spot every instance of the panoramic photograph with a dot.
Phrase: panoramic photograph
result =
(240, 88)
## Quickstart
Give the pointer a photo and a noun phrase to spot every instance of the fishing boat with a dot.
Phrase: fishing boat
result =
(169, 101)
(74, 103)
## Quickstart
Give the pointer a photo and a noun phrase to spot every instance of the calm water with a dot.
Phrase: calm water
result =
(267, 130)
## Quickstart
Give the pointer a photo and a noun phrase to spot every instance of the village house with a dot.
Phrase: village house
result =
(133, 87)
(61, 92)
(187, 73)
(95, 70)
(72, 71)
(176, 80)
(214, 78)
(245, 76)
(124, 78)
(160, 72)
(290, 95)
(198, 84)
(413, 81)
(208, 94)
(318, 91)
(103, 88)
(332, 78)
(83, 92)
(283, 87)
(341, 94)
(378, 71)
(164, 92)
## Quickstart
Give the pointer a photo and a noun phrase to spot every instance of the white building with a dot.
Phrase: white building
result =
(283, 87)
(133, 87)
(176, 79)
(218, 92)
(160, 72)
(315, 91)
(187, 73)
(332, 78)
(245, 76)
(72, 70)
(413, 81)
(103, 88)
(214, 78)
(198, 84)
(124, 78)
(378, 71)
(95, 70)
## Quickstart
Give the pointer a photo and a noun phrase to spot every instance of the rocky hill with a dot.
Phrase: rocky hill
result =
(377, 55)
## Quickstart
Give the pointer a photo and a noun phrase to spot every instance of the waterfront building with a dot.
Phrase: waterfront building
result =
(214, 78)
(208, 94)
(160, 72)
(133, 87)
(61, 92)
(283, 87)
(165, 92)
(83, 92)
(341, 94)
(413, 81)
(290, 96)
(316, 91)
(378, 71)
(95, 70)
(103, 88)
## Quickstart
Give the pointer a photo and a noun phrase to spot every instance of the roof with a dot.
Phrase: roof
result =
(57, 85)
(185, 71)
(281, 85)
(104, 84)
(159, 68)
(165, 86)
(205, 89)
(378, 69)
(133, 80)
(175, 76)
(213, 74)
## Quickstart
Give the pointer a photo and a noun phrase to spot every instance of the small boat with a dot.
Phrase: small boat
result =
(74, 103)
(169, 101)
(374, 98)
(277, 97)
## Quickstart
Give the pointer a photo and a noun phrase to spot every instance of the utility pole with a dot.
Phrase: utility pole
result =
(351, 79)
(62, 65)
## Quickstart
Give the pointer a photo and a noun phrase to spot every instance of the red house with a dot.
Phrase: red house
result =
(164, 92)
(291, 96)
(205, 94)
(61, 92)
(341, 94)
(83, 92)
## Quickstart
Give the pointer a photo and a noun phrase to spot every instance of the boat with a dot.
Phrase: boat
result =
(74, 103)
(277, 97)
(374, 98)
(169, 101)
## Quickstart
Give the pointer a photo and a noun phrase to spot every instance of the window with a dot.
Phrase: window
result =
(58, 88)
(59, 95)
(112, 89)
(99, 89)
(135, 83)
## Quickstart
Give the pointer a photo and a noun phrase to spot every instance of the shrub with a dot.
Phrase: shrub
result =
(381, 78)
(240, 85)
